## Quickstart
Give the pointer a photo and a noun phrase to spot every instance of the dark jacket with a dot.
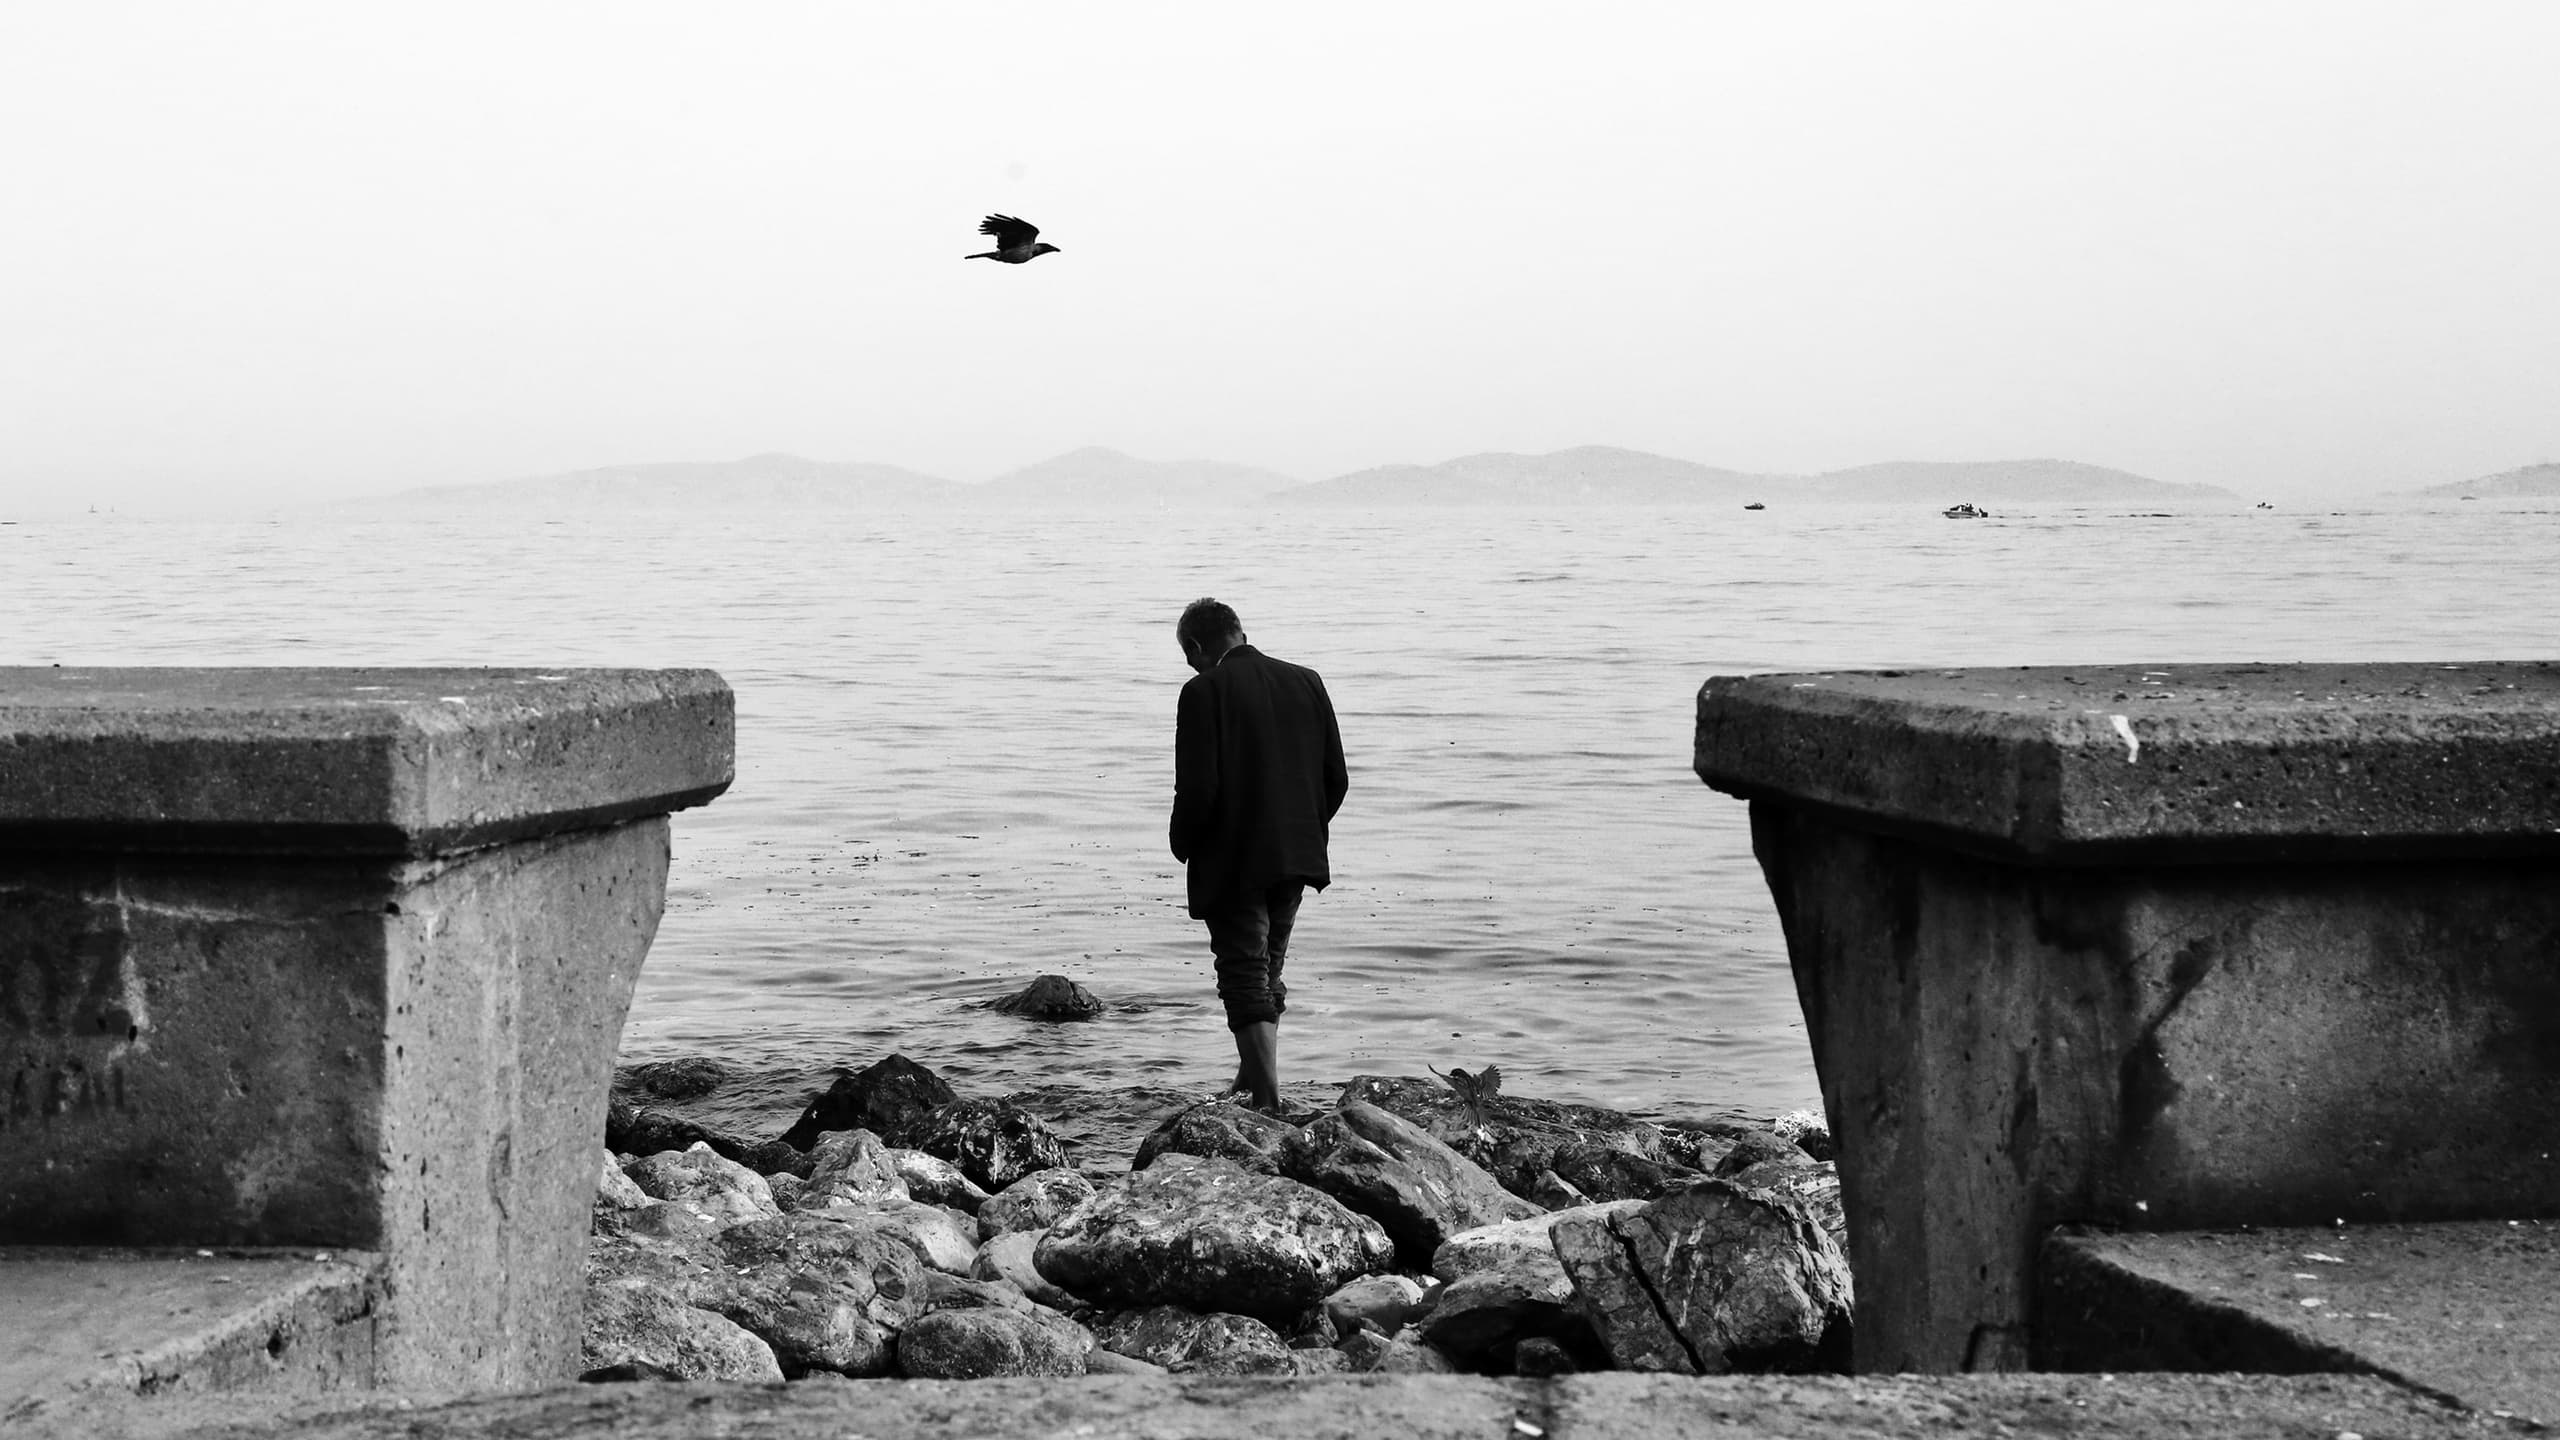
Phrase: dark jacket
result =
(1257, 775)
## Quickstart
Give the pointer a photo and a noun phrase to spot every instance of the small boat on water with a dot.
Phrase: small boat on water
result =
(1965, 510)
(1755, 505)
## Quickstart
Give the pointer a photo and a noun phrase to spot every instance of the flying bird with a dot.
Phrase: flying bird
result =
(1017, 240)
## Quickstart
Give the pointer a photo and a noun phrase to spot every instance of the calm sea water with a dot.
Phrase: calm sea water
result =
(954, 755)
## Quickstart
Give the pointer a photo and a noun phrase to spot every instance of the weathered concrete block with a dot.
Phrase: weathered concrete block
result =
(377, 1014)
(2250, 956)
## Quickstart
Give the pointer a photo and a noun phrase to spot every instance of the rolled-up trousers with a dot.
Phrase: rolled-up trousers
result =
(1249, 938)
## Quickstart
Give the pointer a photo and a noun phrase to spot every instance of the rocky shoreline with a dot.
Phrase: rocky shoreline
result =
(1417, 1225)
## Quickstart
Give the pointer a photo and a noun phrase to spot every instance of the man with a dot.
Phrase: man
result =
(1257, 777)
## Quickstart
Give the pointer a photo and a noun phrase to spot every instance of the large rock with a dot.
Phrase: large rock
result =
(1478, 1319)
(1524, 1246)
(637, 1324)
(1035, 1202)
(1188, 1342)
(977, 1342)
(1211, 1235)
(708, 1182)
(614, 1190)
(1051, 997)
(936, 1181)
(935, 1235)
(994, 1142)
(1010, 1257)
(1394, 1172)
(825, 1296)
(883, 1098)
(1219, 1130)
(1711, 1278)
(1521, 1136)
(851, 1165)
(1604, 1172)
(1815, 1183)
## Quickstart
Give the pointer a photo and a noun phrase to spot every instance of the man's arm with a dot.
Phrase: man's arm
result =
(1195, 767)
(1337, 775)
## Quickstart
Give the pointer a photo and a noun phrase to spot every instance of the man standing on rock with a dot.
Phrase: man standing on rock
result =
(1257, 777)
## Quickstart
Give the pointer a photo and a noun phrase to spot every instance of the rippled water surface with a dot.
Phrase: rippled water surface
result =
(955, 733)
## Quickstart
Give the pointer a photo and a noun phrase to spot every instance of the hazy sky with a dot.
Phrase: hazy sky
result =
(262, 251)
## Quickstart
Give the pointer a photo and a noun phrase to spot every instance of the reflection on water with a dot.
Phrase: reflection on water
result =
(955, 737)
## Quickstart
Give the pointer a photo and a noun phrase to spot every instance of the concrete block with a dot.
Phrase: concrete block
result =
(2037, 996)
(377, 762)
(2181, 764)
(379, 1015)
(85, 1328)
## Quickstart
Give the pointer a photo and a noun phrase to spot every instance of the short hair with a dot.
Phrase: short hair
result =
(1204, 620)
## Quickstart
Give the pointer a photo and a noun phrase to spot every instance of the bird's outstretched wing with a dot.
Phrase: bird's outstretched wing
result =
(1010, 232)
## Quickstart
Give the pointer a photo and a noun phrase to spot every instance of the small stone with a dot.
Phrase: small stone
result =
(1541, 1358)
(1386, 1302)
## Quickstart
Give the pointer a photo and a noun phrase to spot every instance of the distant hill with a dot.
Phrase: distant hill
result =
(1602, 475)
(2532, 482)
(2050, 482)
(1584, 475)
(1095, 476)
(759, 482)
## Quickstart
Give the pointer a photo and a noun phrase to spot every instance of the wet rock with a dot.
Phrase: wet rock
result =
(776, 1157)
(1809, 1131)
(936, 1181)
(852, 1165)
(1394, 1172)
(883, 1098)
(1711, 1278)
(641, 1130)
(1520, 1136)
(1477, 1320)
(825, 1296)
(1759, 1147)
(1218, 1130)
(1211, 1235)
(1187, 1342)
(1051, 997)
(1385, 1303)
(1009, 1258)
(637, 1324)
(994, 1142)
(935, 1235)
(1035, 1202)
(1603, 1172)
(980, 1342)
(706, 1181)
(688, 1077)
